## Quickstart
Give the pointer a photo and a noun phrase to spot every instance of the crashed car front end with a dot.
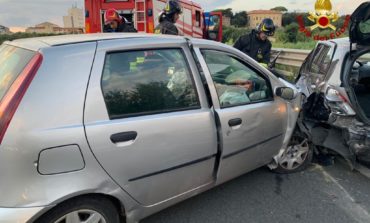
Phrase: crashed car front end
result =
(329, 114)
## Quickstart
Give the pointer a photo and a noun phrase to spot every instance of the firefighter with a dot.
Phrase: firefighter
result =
(168, 18)
(116, 23)
(256, 43)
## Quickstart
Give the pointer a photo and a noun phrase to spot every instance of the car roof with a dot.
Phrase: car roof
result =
(343, 42)
(49, 41)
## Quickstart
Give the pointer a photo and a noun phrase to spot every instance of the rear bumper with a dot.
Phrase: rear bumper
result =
(18, 215)
(358, 139)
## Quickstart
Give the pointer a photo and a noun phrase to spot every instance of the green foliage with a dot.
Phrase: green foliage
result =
(231, 34)
(291, 32)
(280, 35)
(19, 35)
(289, 18)
(365, 26)
(226, 12)
(280, 9)
(290, 72)
(144, 97)
(309, 45)
(240, 19)
(292, 17)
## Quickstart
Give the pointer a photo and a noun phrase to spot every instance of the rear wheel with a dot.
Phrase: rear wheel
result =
(83, 210)
(297, 156)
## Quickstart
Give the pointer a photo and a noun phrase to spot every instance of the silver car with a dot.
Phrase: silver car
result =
(335, 79)
(114, 127)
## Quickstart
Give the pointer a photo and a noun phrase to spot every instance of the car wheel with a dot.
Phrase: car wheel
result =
(297, 156)
(84, 209)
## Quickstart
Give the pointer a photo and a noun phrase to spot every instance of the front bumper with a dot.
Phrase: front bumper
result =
(18, 215)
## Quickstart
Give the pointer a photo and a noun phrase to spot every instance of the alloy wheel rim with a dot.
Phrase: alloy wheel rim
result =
(296, 153)
(82, 216)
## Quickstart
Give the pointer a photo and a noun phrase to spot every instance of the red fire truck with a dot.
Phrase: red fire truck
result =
(144, 15)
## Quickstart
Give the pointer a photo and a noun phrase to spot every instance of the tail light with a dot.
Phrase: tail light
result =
(338, 103)
(12, 99)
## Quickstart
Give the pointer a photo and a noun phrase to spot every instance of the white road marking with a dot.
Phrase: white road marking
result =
(345, 201)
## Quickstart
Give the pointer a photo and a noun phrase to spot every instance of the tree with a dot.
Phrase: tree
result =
(226, 12)
(292, 32)
(280, 9)
(240, 19)
(291, 17)
(231, 34)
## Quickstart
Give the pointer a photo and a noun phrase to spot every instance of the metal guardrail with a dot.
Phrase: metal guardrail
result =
(291, 57)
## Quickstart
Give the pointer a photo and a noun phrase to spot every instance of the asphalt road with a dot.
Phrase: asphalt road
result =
(319, 194)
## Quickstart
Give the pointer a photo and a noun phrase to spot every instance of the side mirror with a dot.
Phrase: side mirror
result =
(285, 93)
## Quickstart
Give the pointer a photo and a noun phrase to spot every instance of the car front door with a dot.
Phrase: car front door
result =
(252, 122)
(148, 121)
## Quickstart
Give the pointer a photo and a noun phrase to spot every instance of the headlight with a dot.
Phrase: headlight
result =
(338, 103)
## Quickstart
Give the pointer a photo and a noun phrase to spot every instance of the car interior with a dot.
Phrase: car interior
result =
(231, 77)
(157, 79)
(235, 83)
(360, 82)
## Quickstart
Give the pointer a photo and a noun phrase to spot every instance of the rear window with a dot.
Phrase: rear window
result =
(12, 61)
(321, 60)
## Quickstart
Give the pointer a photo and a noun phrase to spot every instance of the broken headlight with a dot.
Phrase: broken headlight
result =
(338, 103)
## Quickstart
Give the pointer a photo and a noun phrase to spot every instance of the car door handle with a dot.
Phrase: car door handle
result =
(123, 137)
(235, 122)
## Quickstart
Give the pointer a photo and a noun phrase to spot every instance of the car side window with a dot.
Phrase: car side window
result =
(321, 60)
(235, 82)
(146, 82)
(365, 27)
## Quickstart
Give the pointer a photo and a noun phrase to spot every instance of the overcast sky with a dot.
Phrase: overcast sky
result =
(25, 13)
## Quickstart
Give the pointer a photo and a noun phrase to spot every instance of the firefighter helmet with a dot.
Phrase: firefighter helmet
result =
(267, 26)
(172, 7)
(111, 15)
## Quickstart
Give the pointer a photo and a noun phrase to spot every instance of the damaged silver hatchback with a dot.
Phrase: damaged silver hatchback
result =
(335, 82)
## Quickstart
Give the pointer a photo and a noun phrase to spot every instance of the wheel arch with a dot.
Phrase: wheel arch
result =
(115, 201)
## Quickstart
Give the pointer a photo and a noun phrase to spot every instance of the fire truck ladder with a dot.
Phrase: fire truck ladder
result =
(140, 15)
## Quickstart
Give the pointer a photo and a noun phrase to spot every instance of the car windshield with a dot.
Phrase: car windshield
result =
(12, 62)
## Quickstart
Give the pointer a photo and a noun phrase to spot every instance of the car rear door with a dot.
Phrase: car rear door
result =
(147, 118)
(252, 128)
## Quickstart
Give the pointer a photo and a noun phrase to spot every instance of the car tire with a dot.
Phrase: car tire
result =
(83, 209)
(297, 157)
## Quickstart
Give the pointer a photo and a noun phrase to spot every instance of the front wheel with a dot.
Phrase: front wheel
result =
(83, 210)
(297, 156)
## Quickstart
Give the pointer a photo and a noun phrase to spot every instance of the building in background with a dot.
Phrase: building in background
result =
(255, 17)
(48, 27)
(45, 27)
(74, 19)
(4, 30)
